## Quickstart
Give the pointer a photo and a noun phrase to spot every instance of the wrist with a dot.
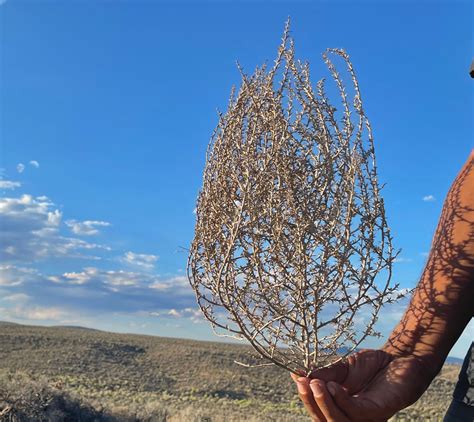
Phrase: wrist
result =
(429, 363)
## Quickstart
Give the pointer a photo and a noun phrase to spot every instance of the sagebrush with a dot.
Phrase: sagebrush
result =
(292, 250)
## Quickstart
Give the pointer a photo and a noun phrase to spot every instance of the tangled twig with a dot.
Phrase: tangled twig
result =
(292, 250)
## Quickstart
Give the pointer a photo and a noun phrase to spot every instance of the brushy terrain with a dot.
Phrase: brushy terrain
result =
(75, 374)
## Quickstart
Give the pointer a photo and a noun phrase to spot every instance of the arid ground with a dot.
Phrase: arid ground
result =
(124, 377)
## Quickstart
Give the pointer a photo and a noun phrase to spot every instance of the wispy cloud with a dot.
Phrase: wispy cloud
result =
(31, 231)
(401, 259)
(9, 184)
(110, 278)
(194, 315)
(11, 275)
(36, 313)
(20, 167)
(174, 313)
(86, 228)
(17, 298)
(93, 291)
(173, 283)
(146, 261)
(429, 198)
(82, 277)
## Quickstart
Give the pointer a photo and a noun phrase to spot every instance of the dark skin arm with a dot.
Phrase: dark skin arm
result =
(373, 385)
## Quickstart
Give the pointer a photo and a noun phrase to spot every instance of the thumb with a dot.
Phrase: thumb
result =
(343, 400)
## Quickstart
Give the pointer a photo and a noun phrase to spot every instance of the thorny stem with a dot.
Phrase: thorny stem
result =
(291, 241)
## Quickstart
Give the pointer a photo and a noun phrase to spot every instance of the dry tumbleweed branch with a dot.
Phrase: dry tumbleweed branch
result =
(291, 239)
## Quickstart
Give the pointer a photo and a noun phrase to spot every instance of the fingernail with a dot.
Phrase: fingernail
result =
(300, 384)
(316, 388)
(300, 387)
(332, 388)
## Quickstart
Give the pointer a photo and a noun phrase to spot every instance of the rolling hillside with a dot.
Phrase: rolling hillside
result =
(145, 378)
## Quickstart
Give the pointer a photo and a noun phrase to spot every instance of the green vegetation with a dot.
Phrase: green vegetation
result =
(58, 372)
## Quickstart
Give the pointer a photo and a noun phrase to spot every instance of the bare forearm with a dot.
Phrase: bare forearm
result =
(443, 301)
(433, 322)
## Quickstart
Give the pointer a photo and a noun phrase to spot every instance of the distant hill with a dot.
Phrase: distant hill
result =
(183, 379)
(75, 327)
(8, 323)
(449, 360)
(454, 361)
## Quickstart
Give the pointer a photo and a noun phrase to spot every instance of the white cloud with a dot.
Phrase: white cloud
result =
(20, 167)
(91, 275)
(35, 313)
(175, 313)
(123, 278)
(145, 261)
(429, 198)
(86, 228)
(174, 283)
(194, 315)
(11, 275)
(31, 231)
(8, 184)
(79, 278)
(92, 291)
(402, 259)
(106, 278)
(18, 297)
(10, 250)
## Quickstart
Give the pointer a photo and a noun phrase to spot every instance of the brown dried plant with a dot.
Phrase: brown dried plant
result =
(292, 251)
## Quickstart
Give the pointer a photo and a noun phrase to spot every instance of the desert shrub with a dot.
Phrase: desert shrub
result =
(26, 398)
(291, 242)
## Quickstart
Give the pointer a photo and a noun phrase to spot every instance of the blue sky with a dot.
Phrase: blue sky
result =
(109, 106)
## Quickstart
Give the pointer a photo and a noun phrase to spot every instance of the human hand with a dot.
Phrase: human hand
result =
(371, 385)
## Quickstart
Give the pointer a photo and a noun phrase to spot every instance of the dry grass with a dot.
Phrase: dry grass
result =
(144, 378)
